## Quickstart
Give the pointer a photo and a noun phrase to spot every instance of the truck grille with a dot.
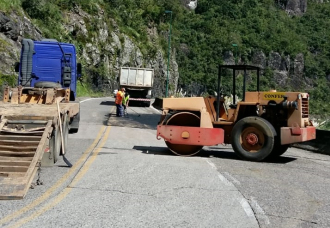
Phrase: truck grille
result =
(305, 107)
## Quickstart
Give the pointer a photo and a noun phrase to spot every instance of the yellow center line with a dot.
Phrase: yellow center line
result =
(48, 193)
(66, 191)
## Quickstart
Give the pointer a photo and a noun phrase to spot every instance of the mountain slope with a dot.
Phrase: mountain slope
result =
(287, 38)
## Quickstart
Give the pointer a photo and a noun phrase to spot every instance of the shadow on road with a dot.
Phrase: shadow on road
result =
(108, 103)
(131, 103)
(155, 150)
(133, 119)
(222, 153)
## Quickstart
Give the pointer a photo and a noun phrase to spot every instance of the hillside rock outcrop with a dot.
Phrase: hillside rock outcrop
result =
(107, 50)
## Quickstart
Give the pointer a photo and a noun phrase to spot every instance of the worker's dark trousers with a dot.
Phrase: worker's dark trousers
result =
(120, 110)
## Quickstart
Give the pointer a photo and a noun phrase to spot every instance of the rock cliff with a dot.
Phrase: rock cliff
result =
(108, 49)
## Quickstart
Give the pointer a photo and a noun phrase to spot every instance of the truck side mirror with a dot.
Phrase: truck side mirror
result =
(79, 68)
(16, 67)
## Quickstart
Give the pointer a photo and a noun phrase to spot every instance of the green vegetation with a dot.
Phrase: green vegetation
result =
(8, 80)
(202, 37)
(8, 5)
(84, 90)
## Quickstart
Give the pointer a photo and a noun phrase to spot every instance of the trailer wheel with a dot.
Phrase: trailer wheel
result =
(47, 85)
(65, 130)
(253, 138)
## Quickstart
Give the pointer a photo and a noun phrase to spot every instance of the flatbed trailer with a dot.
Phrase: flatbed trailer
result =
(32, 134)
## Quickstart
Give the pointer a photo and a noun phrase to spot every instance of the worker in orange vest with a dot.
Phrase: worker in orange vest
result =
(119, 102)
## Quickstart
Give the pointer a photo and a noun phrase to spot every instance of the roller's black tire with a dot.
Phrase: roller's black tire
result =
(47, 85)
(278, 149)
(262, 134)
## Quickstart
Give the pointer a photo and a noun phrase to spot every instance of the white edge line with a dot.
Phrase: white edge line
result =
(244, 203)
(225, 180)
(247, 208)
(221, 177)
(232, 178)
(211, 164)
(260, 210)
(87, 100)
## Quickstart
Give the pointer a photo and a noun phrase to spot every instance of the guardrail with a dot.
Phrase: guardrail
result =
(320, 145)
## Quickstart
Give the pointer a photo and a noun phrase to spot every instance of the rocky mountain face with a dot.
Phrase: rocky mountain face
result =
(112, 49)
(287, 70)
(108, 48)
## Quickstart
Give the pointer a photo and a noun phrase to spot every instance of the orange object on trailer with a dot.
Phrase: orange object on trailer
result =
(261, 125)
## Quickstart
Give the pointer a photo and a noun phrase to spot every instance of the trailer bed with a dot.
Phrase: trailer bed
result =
(37, 110)
(22, 148)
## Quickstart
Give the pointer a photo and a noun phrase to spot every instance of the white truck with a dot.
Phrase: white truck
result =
(138, 83)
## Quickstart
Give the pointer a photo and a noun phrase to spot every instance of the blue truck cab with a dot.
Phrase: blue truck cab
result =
(48, 63)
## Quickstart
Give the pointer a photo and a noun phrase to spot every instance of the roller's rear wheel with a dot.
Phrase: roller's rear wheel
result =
(253, 138)
(187, 119)
(278, 149)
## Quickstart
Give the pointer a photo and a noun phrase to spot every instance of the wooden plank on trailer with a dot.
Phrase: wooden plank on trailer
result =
(17, 154)
(16, 187)
(2, 123)
(14, 163)
(17, 148)
(12, 175)
(34, 133)
(19, 142)
(41, 148)
(20, 137)
(11, 169)
(14, 96)
(37, 111)
(6, 158)
(8, 187)
(8, 129)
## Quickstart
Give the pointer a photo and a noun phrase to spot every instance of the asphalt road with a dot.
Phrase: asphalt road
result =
(122, 176)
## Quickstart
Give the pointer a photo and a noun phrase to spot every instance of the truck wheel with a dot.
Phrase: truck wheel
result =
(253, 138)
(47, 85)
(57, 144)
(65, 130)
(52, 146)
(74, 126)
(147, 104)
(278, 149)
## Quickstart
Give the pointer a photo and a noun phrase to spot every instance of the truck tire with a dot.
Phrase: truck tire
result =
(65, 131)
(57, 144)
(74, 125)
(147, 103)
(253, 138)
(47, 85)
(52, 146)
